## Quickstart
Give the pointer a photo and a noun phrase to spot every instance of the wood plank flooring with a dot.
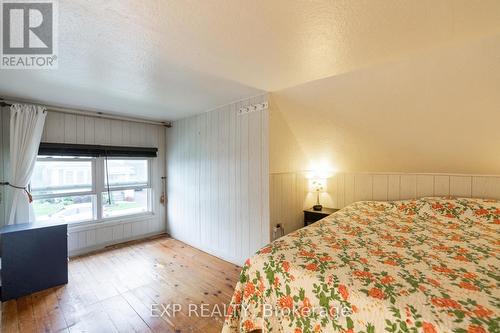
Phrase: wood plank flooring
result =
(114, 290)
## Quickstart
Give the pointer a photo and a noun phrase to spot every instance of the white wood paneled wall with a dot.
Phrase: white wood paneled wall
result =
(218, 181)
(289, 191)
(288, 197)
(67, 128)
(346, 188)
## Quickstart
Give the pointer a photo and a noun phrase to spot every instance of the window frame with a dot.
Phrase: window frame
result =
(68, 194)
(130, 186)
(99, 187)
(92, 193)
(104, 189)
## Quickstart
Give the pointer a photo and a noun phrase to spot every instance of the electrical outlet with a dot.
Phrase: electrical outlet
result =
(278, 231)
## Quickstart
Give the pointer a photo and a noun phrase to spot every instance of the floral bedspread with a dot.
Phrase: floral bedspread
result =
(428, 265)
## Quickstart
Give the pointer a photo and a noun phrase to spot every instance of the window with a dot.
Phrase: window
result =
(125, 173)
(59, 195)
(75, 189)
(128, 187)
(125, 202)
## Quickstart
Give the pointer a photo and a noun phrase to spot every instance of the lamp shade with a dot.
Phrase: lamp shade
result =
(317, 185)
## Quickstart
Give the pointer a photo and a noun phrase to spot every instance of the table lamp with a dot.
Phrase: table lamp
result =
(317, 185)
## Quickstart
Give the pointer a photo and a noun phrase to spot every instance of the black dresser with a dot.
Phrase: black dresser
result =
(34, 257)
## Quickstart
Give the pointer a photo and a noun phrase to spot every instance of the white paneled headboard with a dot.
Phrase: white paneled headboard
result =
(289, 191)
(346, 188)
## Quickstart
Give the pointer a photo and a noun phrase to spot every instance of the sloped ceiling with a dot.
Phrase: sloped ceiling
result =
(171, 59)
(435, 112)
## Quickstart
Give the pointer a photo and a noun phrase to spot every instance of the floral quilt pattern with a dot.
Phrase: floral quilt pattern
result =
(428, 265)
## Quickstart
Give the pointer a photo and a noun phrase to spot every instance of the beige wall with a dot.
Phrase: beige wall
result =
(436, 112)
(384, 129)
(285, 153)
(287, 185)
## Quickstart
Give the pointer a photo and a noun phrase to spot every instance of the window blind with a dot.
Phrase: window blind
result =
(66, 149)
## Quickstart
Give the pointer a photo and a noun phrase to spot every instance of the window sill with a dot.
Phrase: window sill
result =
(109, 222)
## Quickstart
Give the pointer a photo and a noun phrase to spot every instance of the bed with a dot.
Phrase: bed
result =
(427, 265)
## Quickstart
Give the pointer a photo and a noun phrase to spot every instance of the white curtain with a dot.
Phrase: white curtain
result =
(26, 128)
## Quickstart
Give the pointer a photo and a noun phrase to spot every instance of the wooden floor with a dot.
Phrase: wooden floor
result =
(113, 291)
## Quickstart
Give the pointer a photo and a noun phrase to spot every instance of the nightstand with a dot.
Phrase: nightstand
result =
(311, 215)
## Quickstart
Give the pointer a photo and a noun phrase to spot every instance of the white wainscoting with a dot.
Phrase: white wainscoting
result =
(289, 191)
(218, 181)
(67, 128)
(288, 195)
(346, 188)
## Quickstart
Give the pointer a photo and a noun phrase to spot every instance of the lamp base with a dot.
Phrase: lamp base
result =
(317, 207)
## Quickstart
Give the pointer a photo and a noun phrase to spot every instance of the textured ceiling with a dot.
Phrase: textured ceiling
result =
(170, 59)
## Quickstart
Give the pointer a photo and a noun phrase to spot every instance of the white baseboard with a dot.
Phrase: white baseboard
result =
(102, 246)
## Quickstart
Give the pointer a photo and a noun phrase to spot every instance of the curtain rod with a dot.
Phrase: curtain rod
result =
(7, 102)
